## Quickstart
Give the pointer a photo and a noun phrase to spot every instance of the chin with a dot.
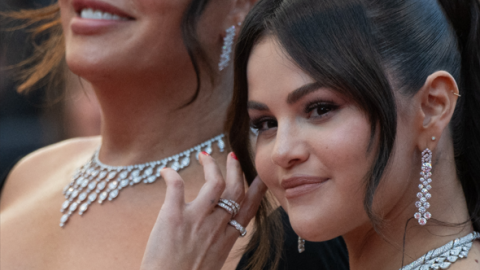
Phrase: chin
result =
(90, 67)
(315, 228)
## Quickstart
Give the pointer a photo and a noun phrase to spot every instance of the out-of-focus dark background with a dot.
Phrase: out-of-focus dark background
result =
(36, 119)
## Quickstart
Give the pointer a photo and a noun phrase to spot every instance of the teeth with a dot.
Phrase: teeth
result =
(107, 16)
(97, 15)
(89, 13)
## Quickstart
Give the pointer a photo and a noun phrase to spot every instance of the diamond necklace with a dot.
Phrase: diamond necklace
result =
(444, 256)
(95, 180)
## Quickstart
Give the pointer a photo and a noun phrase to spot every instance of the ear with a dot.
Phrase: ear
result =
(438, 98)
(239, 11)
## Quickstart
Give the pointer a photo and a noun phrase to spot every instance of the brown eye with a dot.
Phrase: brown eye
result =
(263, 124)
(320, 109)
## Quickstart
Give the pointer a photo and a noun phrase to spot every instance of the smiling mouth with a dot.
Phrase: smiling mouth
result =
(99, 10)
(297, 186)
(88, 13)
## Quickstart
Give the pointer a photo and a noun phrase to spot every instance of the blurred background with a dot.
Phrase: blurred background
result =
(32, 120)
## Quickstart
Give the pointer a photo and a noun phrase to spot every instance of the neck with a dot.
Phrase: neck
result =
(400, 240)
(144, 121)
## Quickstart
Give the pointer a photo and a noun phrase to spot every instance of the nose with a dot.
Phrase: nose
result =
(290, 147)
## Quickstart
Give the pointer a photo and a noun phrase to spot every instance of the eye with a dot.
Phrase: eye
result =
(262, 124)
(320, 109)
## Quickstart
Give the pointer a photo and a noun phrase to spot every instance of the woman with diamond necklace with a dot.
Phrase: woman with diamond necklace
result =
(154, 108)
(162, 74)
(368, 120)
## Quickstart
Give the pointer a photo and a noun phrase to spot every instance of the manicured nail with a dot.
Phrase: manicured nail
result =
(234, 156)
(205, 153)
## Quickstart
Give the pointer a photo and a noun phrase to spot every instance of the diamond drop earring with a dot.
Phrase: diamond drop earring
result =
(301, 245)
(226, 48)
(425, 180)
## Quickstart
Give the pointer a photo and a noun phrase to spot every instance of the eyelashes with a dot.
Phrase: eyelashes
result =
(315, 110)
(261, 124)
(320, 108)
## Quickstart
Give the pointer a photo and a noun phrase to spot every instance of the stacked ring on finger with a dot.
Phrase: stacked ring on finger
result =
(233, 204)
(239, 227)
(227, 208)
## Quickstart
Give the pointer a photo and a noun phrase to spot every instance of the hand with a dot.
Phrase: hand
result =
(197, 235)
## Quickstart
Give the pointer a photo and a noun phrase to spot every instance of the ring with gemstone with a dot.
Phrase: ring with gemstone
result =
(227, 208)
(239, 227)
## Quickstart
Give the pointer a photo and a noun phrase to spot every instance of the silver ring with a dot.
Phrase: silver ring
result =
(233, 205)
(239, 227)
(227, 208)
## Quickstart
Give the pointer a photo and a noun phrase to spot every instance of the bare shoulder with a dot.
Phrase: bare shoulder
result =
(43, 165)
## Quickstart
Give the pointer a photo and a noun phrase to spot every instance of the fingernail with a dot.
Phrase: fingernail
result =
(205, 153)
(234, 156)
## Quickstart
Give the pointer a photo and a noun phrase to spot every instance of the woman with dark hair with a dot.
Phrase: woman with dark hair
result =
(162, 73)
(367, 114)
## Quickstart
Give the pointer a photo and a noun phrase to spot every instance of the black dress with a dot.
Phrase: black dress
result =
(327, 255)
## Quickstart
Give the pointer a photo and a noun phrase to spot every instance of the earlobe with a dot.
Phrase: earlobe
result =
(240, 11)
(438, 97)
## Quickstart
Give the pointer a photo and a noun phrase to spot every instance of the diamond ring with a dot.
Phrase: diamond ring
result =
(232, 204)
(227, 208)
(239, 227)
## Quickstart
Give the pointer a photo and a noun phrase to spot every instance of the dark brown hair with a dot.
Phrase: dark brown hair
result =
(352, 47)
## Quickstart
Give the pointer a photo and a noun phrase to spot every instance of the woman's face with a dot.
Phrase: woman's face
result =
(108, 38)
(312, 146)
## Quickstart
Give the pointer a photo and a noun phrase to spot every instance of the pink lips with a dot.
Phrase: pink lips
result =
(81, 26)
(300, 185)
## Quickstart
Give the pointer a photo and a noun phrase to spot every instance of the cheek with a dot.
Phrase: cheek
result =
(268, 171)
(343, 148)
(400, 180)
(340, 153)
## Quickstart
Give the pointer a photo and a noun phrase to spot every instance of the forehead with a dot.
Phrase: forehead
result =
(270, 69)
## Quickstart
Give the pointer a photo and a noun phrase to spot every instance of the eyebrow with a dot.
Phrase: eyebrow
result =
(257, 106)
(302, 91)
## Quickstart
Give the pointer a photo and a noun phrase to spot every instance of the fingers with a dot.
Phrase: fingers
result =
(175, 195)
(214, 184)
(235, 187)
(252, 201)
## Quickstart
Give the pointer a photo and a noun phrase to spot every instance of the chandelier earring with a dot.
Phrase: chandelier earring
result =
(227, 48)
(301, 245)
(425, 186)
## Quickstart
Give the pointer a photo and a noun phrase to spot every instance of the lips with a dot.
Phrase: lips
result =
(96, 17)
(81, 5)
(297, 186)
